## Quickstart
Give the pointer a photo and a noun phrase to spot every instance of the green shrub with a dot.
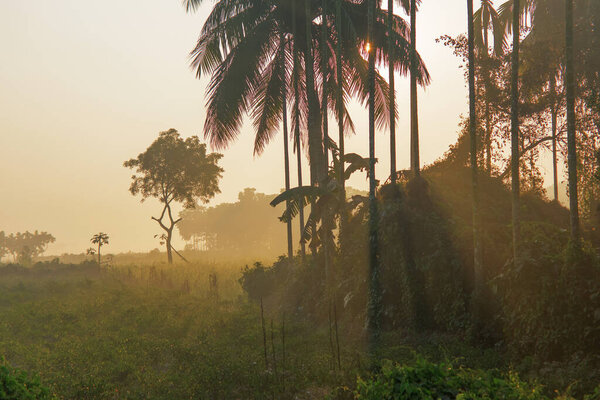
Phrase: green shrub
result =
(17, 385)
(426, 380)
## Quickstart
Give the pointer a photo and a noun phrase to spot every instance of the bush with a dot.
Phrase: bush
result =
(426, 380)
(17, 385)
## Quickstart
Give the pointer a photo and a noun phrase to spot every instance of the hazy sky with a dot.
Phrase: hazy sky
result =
(85, 85)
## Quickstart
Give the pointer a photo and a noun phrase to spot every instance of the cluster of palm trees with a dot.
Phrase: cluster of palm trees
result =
(500, 23)
(317, 55)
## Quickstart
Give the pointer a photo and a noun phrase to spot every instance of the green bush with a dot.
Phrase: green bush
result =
(426, 380)
(17, 385)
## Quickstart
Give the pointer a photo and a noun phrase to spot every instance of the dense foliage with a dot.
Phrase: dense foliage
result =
(428, 381)
(18, 385)
(544, 311)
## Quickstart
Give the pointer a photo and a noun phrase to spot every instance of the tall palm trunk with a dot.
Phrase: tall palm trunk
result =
(374, 306)
(327, 218)
(554, 115)
(392, 98)
(415, 163)
(295, 80)
(571, 125)
(488, 126)
(516, 221)
(301, 212)
(477, 267)
(340, 108)
(286, 158)
(315, 138)
(324, 71)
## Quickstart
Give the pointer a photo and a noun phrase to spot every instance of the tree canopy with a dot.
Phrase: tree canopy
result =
(175, 169)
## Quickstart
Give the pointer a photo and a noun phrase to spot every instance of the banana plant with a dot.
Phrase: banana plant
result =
(325, 197)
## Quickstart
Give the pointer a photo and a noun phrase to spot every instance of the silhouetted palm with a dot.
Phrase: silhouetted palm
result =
(238, 44)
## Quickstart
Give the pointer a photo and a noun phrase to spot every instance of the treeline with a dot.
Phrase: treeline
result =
(248, 227)
(24, 246)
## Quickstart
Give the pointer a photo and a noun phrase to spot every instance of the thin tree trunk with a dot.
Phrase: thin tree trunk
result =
(286, 158)
(554, 114)
(477, 267)
(515, 132)
(169, 251)
(571, 125)
(99, 245)
(374, 306)
(297, 129)
(415, 163)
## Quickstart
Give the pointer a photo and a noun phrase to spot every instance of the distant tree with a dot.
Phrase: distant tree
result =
(173, 169)
(99, 239)
(90, 252)
(23, 246)
(3, 249)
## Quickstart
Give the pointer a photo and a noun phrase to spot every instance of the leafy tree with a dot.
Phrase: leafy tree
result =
(99, 239)
(24, 246)
(173, 169)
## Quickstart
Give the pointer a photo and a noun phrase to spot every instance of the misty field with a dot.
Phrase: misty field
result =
(170, 332)
(147, 332)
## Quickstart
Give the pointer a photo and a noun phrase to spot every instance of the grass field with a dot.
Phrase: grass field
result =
(162, 332)
(155, 332)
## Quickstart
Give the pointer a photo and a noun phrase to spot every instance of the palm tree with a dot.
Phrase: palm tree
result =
(340, 105)
(296, 124)
(99, 239)
(515, 182)
(415, 163)
(514, 139)
(315, 134)
(571, 123)
(391, 80)
(245, 78)
(374, 306)
(285, 143)
(477, 267)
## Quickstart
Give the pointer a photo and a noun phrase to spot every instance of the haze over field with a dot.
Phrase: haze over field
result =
(86, 85)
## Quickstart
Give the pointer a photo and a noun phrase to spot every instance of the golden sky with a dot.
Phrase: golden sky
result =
(85, 85)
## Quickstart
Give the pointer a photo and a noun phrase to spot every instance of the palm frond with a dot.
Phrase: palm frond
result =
(268, 102)
(233, 83)
(297, 198)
